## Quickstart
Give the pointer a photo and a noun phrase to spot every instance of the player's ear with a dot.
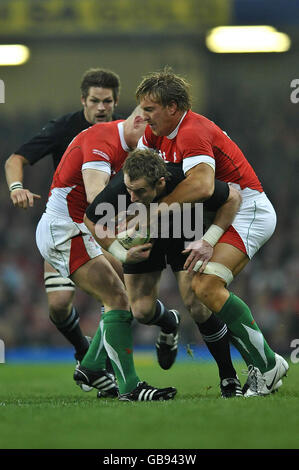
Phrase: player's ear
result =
(172, 107)
(160, 183)
(83, 100)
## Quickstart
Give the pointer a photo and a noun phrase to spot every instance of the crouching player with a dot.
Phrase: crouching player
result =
(145, 179)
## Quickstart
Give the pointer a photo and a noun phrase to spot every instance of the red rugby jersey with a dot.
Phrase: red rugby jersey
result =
(201, 140)
(101, 147)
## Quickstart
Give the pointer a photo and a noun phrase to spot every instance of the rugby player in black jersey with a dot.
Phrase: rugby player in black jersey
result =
(146, 178)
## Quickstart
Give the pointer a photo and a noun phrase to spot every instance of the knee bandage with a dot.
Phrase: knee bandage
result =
(55, 282)
(217, 269)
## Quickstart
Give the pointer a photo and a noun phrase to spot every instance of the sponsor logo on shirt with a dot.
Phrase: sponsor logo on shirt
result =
(102, 154)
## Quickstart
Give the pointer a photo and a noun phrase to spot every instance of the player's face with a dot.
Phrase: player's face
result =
(141, 191)
(162, 120)
(98, 105)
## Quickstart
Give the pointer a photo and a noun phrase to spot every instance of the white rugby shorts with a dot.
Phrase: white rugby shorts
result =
(65, 244)
(253, 225)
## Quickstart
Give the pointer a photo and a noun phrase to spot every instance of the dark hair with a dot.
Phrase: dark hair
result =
(143, 163)
(165, 88)
(100, 78)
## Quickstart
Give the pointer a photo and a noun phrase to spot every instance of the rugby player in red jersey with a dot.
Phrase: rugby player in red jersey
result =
(64, 241)
(206, 153)
(100, 90)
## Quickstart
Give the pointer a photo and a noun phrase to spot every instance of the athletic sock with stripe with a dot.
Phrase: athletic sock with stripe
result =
(71, 330)
(164, 318)
(118, 342)
(215, 335)
(247, 336)
(96, 356)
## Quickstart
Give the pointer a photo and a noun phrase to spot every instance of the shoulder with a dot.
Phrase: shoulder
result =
(196, 121)
(74, 121)
(102, 137)
(195, 127)
(71, 123)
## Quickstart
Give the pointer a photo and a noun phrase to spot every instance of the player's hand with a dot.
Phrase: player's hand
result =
(23, 198)
(199, 250)
(139, 253)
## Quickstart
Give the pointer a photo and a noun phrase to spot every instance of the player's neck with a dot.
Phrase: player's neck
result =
(131, 135)
(176, 121)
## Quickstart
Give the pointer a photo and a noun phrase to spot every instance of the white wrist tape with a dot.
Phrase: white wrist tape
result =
(117, 250)
(15, 185)
(213, 234)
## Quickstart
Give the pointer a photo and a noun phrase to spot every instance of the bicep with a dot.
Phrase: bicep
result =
(109, 195)
(203, 175)
(94, 182)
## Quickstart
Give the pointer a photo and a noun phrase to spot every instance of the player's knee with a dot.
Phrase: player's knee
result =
(122, 299)
(210, 290)
(60, 304)
(142, 311)
(202, 286)
(117, 299)
(199, 312)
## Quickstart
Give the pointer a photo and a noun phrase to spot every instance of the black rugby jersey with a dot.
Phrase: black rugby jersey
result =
(54, 138)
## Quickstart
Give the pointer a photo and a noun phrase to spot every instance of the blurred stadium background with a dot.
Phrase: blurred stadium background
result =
(247, 95)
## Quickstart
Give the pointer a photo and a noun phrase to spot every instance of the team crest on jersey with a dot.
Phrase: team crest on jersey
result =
(162, 154)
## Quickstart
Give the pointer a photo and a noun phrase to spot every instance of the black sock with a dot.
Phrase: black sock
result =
(164, 318)
(71, 330)
(215, 335)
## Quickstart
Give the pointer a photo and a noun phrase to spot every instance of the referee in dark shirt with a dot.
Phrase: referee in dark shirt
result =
(99, 96)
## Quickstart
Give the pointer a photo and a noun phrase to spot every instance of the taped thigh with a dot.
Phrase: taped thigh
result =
(55, 282)
(217, 269)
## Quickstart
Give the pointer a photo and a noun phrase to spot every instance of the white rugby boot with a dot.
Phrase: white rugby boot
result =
(263, 384)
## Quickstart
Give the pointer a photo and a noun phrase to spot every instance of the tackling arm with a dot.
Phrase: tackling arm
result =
(197, 186)
(203, 249)
(94, 182)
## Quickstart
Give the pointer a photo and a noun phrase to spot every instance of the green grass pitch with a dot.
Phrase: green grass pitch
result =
(42, 408)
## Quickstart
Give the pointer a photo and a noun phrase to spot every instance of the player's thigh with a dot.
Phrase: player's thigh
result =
(98, 278)
(211, 288)
(196, 308)
(60, 290)
(117, 265)
(230, 256)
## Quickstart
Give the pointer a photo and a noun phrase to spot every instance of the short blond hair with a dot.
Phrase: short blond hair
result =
(165, 88)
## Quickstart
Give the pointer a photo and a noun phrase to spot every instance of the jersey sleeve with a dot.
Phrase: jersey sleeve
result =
(44, 142)
(195, 147)
(218, 198)
(96, 153)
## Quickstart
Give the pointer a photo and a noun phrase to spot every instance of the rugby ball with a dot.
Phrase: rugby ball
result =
(129, 238)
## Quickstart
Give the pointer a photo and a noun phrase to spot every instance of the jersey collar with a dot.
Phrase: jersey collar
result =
(173, 134)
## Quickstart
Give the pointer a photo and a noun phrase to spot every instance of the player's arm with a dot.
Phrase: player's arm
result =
(202, 250)
(197, 186)
(40, 145)
(14, 172)
(94, 182)
(104, 232)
